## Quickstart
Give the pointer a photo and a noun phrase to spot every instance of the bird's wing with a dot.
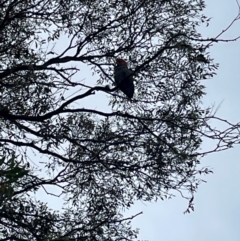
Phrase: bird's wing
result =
(120, 74)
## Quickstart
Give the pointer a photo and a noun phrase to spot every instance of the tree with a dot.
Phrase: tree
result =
(102, 162)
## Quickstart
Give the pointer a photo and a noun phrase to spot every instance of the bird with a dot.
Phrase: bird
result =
(123, 78)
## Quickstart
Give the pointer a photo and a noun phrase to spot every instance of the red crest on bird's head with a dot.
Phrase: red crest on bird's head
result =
(121, 62)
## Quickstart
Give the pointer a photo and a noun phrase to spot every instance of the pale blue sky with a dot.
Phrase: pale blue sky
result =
(217, 203)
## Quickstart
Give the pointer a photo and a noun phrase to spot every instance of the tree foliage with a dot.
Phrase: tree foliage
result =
(102, 161)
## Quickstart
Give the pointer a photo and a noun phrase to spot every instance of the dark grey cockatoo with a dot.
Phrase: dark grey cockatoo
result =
(123, 78)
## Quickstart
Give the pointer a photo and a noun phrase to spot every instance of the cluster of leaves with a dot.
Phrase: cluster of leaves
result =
(101, 161)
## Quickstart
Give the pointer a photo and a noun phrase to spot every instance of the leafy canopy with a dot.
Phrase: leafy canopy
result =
(101, 160)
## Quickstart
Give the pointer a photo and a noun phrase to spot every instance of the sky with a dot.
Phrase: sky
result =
(217, 202)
